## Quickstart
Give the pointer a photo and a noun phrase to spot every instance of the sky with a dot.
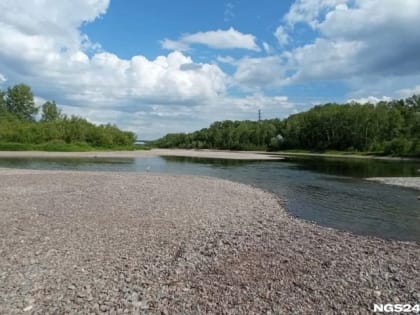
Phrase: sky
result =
(155, 67)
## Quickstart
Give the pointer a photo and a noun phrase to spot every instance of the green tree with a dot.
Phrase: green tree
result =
(20, 102)
(2, 102)
(388, 127)
(413, 102)
(50, 112)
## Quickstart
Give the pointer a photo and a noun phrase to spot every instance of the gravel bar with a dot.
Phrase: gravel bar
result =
(409, 182)
(208, 154)
(142, 243)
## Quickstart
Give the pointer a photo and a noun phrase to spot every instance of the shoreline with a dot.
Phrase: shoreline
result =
(81, 242)
(210, 154)
(408, 182)
(199, 153)
(347, 156)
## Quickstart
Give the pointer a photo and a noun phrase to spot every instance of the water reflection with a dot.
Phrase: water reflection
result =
(330, 192)
(208, 161)
(65, 163)
(357, 167)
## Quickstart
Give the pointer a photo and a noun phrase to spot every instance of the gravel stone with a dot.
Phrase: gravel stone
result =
(144, 243)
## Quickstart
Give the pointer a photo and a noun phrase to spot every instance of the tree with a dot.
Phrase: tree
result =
(390, 127)
(50, 112)
(20, 102)
(413, 101)
(2, 102)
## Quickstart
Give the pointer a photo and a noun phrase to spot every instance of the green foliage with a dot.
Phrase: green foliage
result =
(56, 146)
(226, 135)
(50, 112)
(391, 128)
(55, 131)
(20, 102)
(2, 103)
(398, 146)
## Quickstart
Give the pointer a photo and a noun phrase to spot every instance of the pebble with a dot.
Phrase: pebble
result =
(122, 243)
(104, 308)
(28, 308)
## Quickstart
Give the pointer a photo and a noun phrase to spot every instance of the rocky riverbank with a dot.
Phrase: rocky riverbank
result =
(115, 243)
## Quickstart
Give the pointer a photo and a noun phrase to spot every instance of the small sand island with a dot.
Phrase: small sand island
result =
(208, 154)
(409, 182)
(118, 243)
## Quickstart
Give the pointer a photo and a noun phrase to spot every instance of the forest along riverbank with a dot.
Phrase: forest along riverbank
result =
(81, 242)
(234, 155)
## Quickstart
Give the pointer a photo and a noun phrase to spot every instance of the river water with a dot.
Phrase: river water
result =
(330, 192)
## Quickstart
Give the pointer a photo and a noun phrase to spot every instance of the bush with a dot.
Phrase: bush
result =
(62, 146)
(74, 134)
(415, 149)
(397, 147)
(12, 146)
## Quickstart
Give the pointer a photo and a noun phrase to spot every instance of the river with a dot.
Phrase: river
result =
(330, 192)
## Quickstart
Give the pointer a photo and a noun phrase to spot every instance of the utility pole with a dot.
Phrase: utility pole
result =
(258, 128)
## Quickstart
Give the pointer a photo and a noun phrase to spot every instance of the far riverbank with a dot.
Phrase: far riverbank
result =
(234, 155)
(210, 154)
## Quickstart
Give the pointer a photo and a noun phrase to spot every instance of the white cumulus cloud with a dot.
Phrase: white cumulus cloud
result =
(42, 45)
(219, 39)
(360, 38)
(370, 100)
(308, 11)
(281, 35)
(2, 79)
(409, 92)
(259, 73)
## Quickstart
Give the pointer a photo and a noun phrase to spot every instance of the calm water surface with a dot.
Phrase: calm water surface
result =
(331, 192)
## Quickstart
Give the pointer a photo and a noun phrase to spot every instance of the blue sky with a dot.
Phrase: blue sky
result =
(155, 67)
(137, 27)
